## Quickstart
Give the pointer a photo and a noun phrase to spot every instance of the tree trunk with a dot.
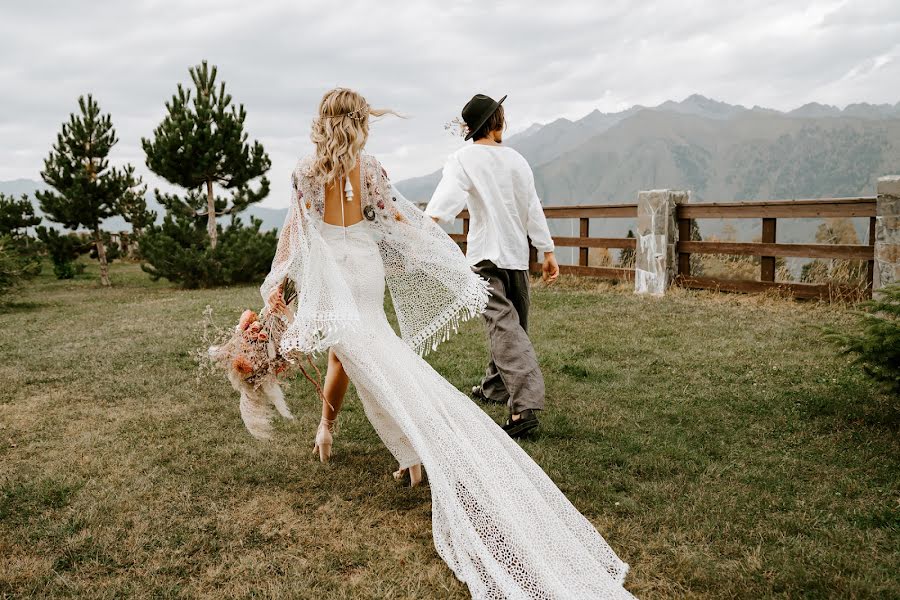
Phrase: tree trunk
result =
(101, 257)
(210, 213)
(134, 244)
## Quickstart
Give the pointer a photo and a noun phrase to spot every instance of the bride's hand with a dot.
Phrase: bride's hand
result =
(276, 302)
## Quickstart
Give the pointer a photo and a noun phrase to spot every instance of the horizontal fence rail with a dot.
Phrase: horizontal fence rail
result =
(780, 209)
(584, 213)
(767, 249)
(845, 251)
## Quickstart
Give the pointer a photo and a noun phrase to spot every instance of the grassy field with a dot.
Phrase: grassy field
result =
(716, 441)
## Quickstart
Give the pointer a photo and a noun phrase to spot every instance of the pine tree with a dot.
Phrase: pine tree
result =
(18, 254)
(14, 266)
(86, 189)
(16, 216)
(202, 143)
(133, 205)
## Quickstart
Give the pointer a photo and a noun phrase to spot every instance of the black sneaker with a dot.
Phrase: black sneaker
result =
(526, 422)
(478, 394)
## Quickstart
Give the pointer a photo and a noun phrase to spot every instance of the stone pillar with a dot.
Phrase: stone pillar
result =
(655, 260)
(887, 233)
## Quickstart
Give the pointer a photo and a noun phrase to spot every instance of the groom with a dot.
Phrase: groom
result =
(497, 185)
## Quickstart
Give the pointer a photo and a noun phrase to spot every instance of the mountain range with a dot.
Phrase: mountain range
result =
(719, 151)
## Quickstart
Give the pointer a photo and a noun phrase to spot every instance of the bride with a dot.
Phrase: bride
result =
(498, 521)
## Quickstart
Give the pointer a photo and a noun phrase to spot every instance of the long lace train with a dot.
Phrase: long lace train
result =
(498, 521)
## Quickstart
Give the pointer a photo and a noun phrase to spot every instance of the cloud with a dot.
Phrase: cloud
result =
(425, 59)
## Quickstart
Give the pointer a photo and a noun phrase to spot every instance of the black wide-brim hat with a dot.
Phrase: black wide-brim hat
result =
(478, 110)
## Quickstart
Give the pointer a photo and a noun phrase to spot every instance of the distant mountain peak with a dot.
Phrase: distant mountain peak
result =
(819, 105)
(701, 106)
(815, 110)
(701, 100)
(533, 128)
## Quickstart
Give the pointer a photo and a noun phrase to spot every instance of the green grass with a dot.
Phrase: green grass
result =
(717, 442)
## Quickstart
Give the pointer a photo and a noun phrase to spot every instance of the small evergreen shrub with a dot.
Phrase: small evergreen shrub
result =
(64, 249)
(876, 347)
(179, 250)
(15, 265)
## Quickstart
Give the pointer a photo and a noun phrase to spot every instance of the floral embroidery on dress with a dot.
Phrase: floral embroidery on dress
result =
(312, 193)
(377, 187)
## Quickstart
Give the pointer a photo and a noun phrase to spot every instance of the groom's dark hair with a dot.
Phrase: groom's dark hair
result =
(495, 122)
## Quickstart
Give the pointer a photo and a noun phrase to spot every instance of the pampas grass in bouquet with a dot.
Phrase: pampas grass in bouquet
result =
(254, 365)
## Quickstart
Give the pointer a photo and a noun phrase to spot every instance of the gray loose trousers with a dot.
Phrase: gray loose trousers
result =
(513, 375)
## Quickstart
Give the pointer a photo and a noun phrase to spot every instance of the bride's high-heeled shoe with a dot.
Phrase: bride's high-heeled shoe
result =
(415, 475)
(324, 438)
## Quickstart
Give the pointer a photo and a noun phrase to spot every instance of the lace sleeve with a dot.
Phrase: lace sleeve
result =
(281, 264)
(432, 285)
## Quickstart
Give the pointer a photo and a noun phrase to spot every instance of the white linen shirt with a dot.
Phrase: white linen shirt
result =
(497, 184)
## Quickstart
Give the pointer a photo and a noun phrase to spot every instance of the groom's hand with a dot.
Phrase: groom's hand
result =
(550, 270)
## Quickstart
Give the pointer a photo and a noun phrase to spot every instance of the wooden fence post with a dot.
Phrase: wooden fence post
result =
(684, 235)
(767, 263)
(583, 251)
(887, 233)
(870, 264)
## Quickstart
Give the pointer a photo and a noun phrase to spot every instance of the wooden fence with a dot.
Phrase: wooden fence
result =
(767, 249)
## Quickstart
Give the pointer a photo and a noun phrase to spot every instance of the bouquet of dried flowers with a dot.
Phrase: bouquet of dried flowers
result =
(252, 362)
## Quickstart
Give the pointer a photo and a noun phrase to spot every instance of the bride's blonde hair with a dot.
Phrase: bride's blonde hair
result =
(340, 132)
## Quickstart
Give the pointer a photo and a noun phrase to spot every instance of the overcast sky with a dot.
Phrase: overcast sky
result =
(425, 59)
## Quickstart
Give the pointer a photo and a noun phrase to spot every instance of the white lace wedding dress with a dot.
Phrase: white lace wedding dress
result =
(498, 521)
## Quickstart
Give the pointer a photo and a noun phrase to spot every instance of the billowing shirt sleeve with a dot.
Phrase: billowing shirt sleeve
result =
(537, 223)
(450, 196)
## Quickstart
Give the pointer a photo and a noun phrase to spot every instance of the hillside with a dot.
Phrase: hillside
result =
(752, 156)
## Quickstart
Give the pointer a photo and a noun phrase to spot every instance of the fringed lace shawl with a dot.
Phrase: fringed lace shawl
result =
(432, 286)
